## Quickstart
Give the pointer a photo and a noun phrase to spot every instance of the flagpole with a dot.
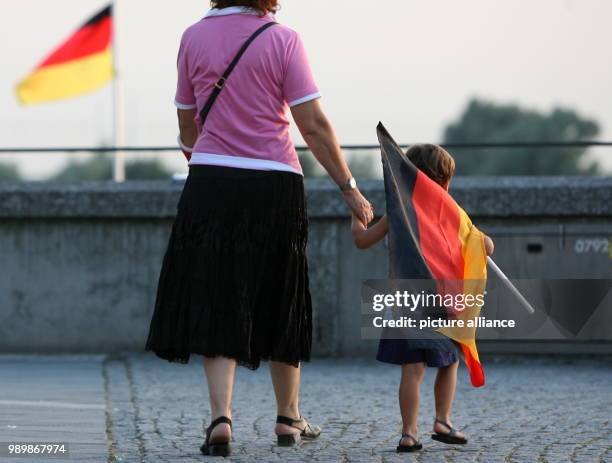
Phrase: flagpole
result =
(118, 101)
(510, 286)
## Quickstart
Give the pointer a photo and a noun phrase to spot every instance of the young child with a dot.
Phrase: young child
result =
(439, 166)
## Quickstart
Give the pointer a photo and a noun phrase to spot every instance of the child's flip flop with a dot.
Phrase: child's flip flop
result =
(450, 437)
(409, 448)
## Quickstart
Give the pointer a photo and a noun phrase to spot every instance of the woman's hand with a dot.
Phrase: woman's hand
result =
(359, 206)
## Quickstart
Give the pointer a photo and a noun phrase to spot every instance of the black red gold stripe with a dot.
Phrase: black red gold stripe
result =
(431, 237)
(82, 63)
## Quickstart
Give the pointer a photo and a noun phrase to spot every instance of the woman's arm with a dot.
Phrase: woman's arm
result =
(367, 237)
(187, 127)
(321, 139)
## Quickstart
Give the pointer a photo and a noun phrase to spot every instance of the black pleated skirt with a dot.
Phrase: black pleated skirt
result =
(234, 279)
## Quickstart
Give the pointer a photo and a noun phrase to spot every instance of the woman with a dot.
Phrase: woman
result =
(234, 282)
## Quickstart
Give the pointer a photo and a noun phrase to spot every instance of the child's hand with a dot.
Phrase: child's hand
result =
(365, 237)
(356, 223)
(489, 246)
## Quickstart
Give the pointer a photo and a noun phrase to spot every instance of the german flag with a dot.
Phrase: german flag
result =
(81, 64)
(431, 237)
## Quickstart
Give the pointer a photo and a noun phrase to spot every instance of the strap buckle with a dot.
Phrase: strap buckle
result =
(220, 83)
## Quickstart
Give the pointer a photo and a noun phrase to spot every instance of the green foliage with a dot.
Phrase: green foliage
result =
(9, 173)
(488, 122)
(310, 165)
(150, 169)
(100, 167)
(363, 165)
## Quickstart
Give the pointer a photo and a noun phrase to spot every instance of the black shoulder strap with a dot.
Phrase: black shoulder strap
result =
(223, 79)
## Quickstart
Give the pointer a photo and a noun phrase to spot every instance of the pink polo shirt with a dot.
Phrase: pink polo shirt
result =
(248, 126)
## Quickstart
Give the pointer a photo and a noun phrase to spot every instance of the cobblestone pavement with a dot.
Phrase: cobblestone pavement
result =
(538, 410)
(531, 410)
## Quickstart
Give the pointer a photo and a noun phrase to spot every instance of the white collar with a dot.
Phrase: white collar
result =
(234, 10)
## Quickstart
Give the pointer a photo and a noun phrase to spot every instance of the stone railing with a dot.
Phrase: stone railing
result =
(80, 262)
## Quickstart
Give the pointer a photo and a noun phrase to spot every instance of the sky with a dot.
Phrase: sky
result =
(412, 64)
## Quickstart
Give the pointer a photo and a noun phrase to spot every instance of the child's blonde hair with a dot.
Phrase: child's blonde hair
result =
(434, 161)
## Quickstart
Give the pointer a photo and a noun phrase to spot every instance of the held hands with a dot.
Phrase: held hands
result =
(360, 207)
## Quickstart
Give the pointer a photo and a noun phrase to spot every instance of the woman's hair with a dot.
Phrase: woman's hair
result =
(263, 6)
(434, 161)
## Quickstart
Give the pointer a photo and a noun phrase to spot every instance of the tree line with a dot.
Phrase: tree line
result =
(481, 122)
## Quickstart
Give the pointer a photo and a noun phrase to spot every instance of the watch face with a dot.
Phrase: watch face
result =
(350, 185)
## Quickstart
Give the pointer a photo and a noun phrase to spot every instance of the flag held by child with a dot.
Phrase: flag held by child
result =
(431, 237)
(81, 64)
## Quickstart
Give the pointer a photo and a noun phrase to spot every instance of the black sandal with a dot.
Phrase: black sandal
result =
(309, 432)
(222, 449)
(449, 438)
(409, 448)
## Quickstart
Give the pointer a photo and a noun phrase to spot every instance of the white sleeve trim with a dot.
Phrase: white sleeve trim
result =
(182, 145)
(184, 106)
(305, 99)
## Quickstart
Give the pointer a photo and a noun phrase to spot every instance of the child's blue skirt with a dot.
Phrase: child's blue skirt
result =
(435, 353)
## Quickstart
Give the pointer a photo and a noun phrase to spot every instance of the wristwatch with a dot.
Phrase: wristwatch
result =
(350, 185)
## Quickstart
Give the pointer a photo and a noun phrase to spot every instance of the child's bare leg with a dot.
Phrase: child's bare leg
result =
(409, 396)
(444, 392)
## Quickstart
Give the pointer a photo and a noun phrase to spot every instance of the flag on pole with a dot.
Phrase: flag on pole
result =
(81, 64)
(431, 237)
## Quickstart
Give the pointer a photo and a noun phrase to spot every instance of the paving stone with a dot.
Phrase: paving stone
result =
(532, 409)
(137, 408)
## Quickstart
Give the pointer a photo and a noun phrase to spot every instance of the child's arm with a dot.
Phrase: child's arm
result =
(489, 246)
(367, 237)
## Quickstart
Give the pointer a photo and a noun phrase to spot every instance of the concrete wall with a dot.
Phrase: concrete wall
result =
(79, 262)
